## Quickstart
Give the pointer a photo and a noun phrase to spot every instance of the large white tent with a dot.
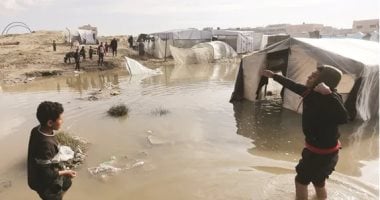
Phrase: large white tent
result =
(297, 58)
(240, 41)
(206, 52)
(183, 38)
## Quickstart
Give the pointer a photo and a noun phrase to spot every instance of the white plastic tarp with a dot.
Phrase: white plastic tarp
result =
(134, 67)
(241, 41)
(184, 34)
(185, 38)
(203, 53)
(87, 35)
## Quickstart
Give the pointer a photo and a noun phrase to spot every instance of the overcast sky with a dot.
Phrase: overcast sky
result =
(120, 17)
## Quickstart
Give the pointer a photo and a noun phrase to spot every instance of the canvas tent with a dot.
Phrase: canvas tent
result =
(206, 52)
(296, 58)
(184, 38)
(240, 41)
(84, 35)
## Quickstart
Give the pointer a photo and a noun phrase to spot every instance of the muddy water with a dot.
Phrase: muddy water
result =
(204, 148)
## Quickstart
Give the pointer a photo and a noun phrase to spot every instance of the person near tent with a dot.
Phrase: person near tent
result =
(82, 53)
(114, 46)
(141, 48)
(100, 54)
(46, 175)
(54, 46)
(90, 52)
(130, 41)
(77, 59)
(106, 47)
(323, 111)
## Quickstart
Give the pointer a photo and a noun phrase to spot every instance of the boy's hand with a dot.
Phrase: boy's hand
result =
(323, 89)
(68, 172)
(267, 73)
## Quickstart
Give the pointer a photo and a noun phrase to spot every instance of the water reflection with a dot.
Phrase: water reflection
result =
(78, 82)
(277, 133)
(194, 73)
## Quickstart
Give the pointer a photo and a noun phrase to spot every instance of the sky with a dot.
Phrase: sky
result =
(122, 17)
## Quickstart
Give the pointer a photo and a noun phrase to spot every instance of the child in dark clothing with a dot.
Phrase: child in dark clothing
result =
(90, 52)
(45, 176)
(323, 112)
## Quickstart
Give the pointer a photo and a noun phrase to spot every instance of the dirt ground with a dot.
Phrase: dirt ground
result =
(26, 56)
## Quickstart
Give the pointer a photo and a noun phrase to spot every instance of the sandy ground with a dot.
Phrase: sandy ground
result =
(34, 56)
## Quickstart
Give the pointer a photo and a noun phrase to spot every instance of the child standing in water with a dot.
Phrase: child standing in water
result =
(45, 176)
(323, 112)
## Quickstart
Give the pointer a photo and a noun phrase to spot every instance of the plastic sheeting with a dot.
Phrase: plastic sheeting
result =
(203, 53)
(87, 35)
(356, 58)
(185, 38)
(184, 34)
(240, 41)
(134, 67)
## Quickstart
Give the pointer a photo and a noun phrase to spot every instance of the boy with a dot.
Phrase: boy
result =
(323, 111)
(46, 177)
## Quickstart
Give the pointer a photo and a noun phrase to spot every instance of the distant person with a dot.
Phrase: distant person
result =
(77, 60)
(90, 52)
(130, 41)
(54, 46)
(323, 112)
(100, 54)
(114, 47)
(82, 53)
(45, 176)
(106, 48)
(141, 48)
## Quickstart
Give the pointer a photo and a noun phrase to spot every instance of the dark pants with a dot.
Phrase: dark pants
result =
(77, 67)
(56, 191)
(315, 168)
(100, 61)
(114, 52)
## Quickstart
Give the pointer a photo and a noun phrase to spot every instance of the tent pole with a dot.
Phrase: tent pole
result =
(166, 45)
(265, 90)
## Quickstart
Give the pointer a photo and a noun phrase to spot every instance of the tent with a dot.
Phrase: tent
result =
(240, 41)
(83, 36)
(183, 38)
(206, 52)
(296, 58)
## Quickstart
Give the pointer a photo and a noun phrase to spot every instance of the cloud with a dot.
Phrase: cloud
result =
(9, 6)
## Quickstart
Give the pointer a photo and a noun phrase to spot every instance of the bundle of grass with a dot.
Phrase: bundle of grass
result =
(118, 110)
(160, 111)
(78, 145)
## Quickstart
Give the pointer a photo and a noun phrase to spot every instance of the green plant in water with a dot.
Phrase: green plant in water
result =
(68, 140)
(118, 110)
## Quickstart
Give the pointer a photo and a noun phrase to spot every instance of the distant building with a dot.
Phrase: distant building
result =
(303, 30)
(365, 26)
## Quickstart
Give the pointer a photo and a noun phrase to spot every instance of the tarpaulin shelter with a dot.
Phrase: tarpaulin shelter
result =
(296, 58)
(183, 38)
(240, 41)
(206, 52)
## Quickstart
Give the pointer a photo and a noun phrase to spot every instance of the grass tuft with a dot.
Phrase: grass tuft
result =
(118, 110)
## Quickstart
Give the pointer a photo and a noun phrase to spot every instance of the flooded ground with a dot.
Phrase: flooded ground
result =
(203, 148)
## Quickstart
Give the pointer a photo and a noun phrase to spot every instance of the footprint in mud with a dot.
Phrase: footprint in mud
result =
(281, 186)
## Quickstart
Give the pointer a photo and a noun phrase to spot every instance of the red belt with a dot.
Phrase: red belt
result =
(323, 151)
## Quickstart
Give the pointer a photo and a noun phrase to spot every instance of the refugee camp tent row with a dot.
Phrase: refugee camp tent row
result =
(296, 58)
(206, 52)
(240, 41)
(184, 38)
